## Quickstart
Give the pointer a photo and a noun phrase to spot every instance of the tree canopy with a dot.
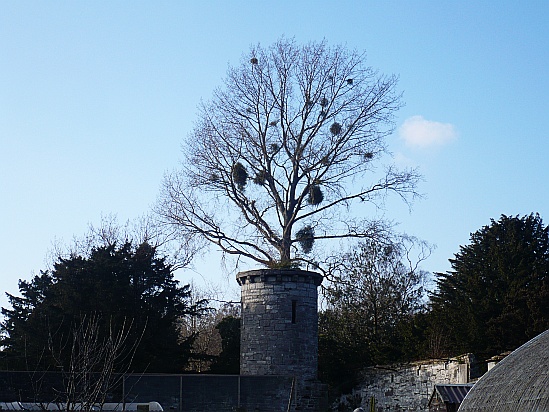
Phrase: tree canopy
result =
(126, 288)
(284, 151)
(379, 289)
(496, 297)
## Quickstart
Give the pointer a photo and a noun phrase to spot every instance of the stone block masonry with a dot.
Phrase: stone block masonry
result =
(408, 387)
(279, 331)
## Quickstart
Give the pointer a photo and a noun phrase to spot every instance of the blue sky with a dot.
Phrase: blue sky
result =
(96, 97)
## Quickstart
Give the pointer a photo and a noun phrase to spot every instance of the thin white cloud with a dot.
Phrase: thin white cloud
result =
(418, 132)
(401, 160)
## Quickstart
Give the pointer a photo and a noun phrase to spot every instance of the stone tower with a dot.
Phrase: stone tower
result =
(279, 333)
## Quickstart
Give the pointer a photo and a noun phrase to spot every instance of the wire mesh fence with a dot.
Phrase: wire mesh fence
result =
(176, 393)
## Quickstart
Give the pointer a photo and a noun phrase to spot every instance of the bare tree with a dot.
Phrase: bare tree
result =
(381, 280)
(94, 358)
(179, 250)
(376, 290)
(280, 155)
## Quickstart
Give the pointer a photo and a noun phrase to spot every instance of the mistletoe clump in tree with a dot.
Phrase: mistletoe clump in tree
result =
(281, 153)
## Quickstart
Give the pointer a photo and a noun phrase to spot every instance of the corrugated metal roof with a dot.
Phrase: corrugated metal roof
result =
(520, 382)
(453, 393)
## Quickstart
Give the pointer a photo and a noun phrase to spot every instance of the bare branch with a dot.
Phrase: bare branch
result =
(288, 120)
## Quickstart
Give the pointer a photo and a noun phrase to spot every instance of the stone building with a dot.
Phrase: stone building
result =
(408, 387)
(279, 329)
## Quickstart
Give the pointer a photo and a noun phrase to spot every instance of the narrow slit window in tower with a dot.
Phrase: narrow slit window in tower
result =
(294, 307)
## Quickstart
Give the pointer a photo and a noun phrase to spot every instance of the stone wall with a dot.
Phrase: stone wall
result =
(279, 329)
(408, 387)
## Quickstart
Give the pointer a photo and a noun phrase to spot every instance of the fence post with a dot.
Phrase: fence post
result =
(123, 392)
(180, 393)
(238, 392)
